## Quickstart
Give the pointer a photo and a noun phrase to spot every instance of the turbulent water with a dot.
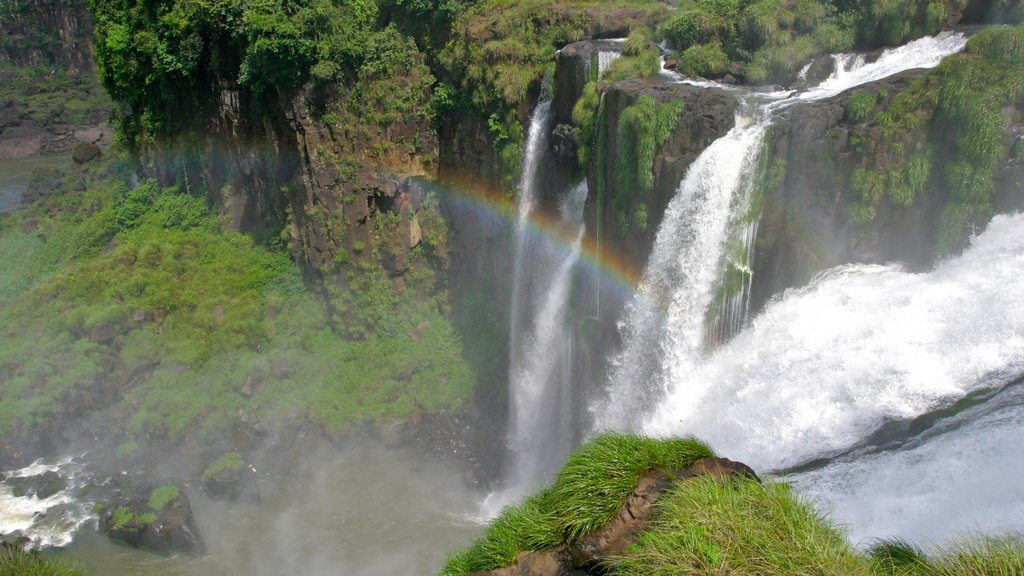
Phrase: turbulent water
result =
(825, 367)
(366, 511)
(664, 328)
(50, 521)
(959, 477)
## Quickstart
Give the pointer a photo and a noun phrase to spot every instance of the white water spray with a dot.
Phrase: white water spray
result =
(827, 365)
(541, 401)
(46, 522)
(664, 328)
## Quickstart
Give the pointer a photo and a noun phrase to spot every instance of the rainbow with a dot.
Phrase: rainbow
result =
(598, 257)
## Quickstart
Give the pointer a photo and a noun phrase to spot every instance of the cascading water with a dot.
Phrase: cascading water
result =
(664, 331)
(666, 319)
(541, 427)
(824, 368)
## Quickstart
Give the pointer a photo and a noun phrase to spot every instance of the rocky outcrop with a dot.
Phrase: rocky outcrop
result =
(589, 555)
(48, 33)
(707, 115)
(50, 99)
(807, 225)
(161, 522)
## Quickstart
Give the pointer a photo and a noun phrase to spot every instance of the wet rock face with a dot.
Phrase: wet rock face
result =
(575, 65)
(40, 486)
(806, 224)
(707, 115)
(167, 530)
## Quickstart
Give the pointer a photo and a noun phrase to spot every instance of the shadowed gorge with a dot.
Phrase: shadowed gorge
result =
(348, 286)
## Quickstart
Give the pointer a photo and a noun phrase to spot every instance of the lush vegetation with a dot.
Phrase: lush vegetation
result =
(642, 129)
(500, 52)
(588, 491)
(51, 95)
(137, 295)
(946, 129)
(16, 562)
(756, 40)
(706, 525)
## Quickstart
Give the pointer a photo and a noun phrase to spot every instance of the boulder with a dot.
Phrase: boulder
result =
(40, 486)
(162, 522)
(230, 478)
(85, 152)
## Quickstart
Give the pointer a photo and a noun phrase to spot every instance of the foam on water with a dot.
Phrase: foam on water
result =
(937, 488)
(851, 69)
(47, 522)
(826, 365)
(665, 320)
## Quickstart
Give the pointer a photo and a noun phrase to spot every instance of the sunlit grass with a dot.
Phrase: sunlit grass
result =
(740, 527)
(587, 493)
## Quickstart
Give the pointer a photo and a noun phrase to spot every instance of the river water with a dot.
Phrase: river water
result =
(14, 176)
(365, 510)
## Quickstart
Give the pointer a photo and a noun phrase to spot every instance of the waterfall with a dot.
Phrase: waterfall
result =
(825, 366)
(665, 321)
(541, 430)
(664, 328)
(536, 144)
(541, 427)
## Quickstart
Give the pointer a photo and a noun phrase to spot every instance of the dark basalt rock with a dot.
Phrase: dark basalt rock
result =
(233, 484)
(40, 486)
(169, 530)
(806, 226)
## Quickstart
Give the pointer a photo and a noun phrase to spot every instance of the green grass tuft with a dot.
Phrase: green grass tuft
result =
(739, 527)
(232, 461)
(16, 562)
(163, 496)
(860, 106)
(895, 556)
(588, 491)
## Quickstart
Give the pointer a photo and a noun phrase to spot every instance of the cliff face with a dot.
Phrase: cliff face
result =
(47, 33)
(810, 223)
(341, 189)
(49, 97)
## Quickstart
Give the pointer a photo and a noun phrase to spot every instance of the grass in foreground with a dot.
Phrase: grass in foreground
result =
(588, 492)
(705, 526)
(979, 555)
(740, 527)
(16, 562)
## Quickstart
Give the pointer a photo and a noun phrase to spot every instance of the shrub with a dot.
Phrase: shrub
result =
(708, 60)
(859, 107)
(16, 562)
(162, 496)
